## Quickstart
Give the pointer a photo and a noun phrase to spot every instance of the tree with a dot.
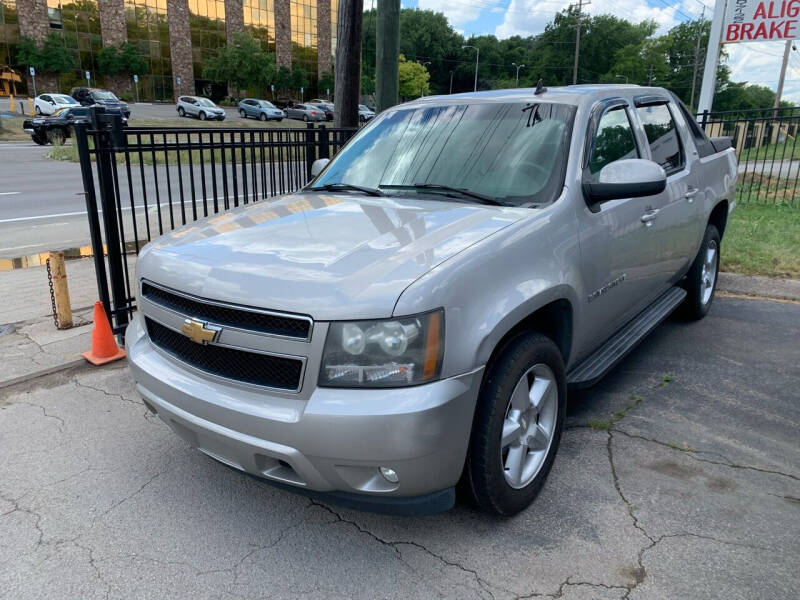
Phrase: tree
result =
(326, 82)
(414, 79)
(108, 61)
(55, 58)
(299, 78)
(242, 64)
(283, 78)
(28, 54)
(131, 61)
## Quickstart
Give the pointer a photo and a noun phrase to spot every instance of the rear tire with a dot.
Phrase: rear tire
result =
(305, 118)
(262, 117)
(42, 141)
(518, 423)
(701, 281)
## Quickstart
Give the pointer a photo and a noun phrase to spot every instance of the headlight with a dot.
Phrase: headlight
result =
(386, 353)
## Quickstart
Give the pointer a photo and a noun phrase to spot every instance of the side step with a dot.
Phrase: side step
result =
(602, 360)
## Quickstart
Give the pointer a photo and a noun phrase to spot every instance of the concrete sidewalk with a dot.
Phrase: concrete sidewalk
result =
(678, 477)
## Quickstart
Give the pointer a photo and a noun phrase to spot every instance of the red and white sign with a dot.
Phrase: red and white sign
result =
(760, 20)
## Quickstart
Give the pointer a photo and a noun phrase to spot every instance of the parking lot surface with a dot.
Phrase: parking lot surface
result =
(678, 477)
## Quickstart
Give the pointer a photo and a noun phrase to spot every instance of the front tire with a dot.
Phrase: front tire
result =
(262, 117)
(202, 116)
(242, 113)
(38, 110)
(518, 424)
(701, 281)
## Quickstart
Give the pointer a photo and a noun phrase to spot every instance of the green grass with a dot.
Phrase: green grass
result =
(12, 130)
(782, 151)
(763, 240)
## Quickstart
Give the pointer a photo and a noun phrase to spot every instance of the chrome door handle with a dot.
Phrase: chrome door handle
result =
(650, 216)
(690, 194)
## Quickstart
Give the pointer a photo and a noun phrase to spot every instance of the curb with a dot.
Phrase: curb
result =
(42, 372)
(759, 286)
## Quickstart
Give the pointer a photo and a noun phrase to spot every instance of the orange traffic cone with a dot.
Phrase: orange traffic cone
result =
(104, 348)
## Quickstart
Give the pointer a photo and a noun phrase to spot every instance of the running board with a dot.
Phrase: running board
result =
(605, 358)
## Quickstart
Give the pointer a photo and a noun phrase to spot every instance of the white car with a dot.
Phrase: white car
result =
(47, 104)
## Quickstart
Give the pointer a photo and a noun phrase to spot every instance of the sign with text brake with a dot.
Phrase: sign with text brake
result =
(761, 21)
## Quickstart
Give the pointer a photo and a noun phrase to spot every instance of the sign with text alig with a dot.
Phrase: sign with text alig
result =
(761, 20)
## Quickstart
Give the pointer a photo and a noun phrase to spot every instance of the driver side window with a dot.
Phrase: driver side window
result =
(613, 141)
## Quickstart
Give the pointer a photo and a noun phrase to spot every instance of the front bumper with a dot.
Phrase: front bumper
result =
(331, 440)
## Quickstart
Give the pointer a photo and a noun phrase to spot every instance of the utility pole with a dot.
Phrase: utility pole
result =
(422, 86)
(451, 82)
(348, 63)
(581, 3)
(781, 79)
(477, 56)
(650, 75)
(697, 54)
(516, 81)
(387, 54)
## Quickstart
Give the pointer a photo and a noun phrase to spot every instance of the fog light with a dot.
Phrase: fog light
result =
(389, 474)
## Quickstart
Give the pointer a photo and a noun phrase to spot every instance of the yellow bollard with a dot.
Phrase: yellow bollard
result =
(12, 108)
(59, 291)
(30, 105)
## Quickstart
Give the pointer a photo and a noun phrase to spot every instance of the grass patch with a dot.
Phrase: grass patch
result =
(606, 424)
(781, 151)
(11, 130)
(763, 240)
(753, 187)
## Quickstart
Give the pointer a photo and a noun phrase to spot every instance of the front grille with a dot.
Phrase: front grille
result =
(249, 367)
(273, 324)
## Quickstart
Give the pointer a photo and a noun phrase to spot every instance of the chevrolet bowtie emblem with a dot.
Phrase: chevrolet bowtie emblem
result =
(199, 332)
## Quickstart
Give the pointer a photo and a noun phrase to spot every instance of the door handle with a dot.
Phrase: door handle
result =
(650, 216)
(690, 194)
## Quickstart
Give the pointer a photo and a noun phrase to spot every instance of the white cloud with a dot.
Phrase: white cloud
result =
(457, 14)
(760, 63)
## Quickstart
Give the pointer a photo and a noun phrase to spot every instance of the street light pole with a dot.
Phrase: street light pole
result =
(477, 57)
(422, 86)
(516, 81)
(451, 82)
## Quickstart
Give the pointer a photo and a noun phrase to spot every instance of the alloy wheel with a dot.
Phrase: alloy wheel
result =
(529, 425)
(709, 274)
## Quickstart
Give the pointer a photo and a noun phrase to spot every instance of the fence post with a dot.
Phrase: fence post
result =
(310, 149)
(105, 143)
(82, 142)
(324, 147)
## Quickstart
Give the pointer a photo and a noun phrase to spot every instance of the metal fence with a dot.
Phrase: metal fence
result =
(767, 146)
(142, 182)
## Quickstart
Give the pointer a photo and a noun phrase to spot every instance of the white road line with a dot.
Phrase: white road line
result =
(8, 193)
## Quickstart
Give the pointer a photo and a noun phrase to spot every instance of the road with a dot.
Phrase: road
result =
(42, 206)
(693, 492)
(140, 111)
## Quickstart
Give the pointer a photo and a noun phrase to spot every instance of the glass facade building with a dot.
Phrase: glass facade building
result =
(147, 27)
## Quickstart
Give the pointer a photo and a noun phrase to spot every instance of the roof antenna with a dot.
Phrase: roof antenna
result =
(540, 89)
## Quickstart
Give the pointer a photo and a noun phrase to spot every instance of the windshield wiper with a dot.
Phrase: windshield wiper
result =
(445, 188)
(341, 187)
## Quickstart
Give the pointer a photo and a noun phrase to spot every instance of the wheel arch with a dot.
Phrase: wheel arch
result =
(719, 217)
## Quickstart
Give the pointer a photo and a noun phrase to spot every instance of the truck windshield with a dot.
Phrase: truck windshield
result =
(509, 152)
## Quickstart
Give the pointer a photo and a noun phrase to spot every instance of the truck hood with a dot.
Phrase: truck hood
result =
(328, 256)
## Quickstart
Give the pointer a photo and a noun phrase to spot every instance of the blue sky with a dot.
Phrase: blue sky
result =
(757, 62)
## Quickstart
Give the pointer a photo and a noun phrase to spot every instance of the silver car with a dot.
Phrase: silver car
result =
(365, 113)
(263, 110)
(413, 317)
(305, 112)
(202, 108)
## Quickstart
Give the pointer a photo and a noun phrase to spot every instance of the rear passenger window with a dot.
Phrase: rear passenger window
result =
(614, 140)
(665, 145)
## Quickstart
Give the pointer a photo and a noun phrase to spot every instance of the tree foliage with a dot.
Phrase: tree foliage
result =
(243, 64)
(51, 57)
(414, 79)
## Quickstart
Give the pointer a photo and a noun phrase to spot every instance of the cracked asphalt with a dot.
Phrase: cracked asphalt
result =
(678, 477)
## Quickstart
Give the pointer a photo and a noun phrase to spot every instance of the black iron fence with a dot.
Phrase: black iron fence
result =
(142, 182)
(768, 150)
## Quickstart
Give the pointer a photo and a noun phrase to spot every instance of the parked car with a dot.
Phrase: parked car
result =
(202, 108)
(325, 106)
(306, 112)
(55, 128)
(414, 316)
(47, 104)
(364, 113)
(260, 109)
(99, 97)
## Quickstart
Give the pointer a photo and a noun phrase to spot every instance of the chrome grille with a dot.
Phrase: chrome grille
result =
(249, 367)
(250, 319)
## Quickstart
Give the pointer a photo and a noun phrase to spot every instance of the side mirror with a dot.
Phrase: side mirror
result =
(318, 165)
(626, 178)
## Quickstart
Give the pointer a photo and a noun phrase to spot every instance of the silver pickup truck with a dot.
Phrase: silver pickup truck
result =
(413, 318)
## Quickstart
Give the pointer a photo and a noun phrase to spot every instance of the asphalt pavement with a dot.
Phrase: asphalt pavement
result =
(678, 477)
